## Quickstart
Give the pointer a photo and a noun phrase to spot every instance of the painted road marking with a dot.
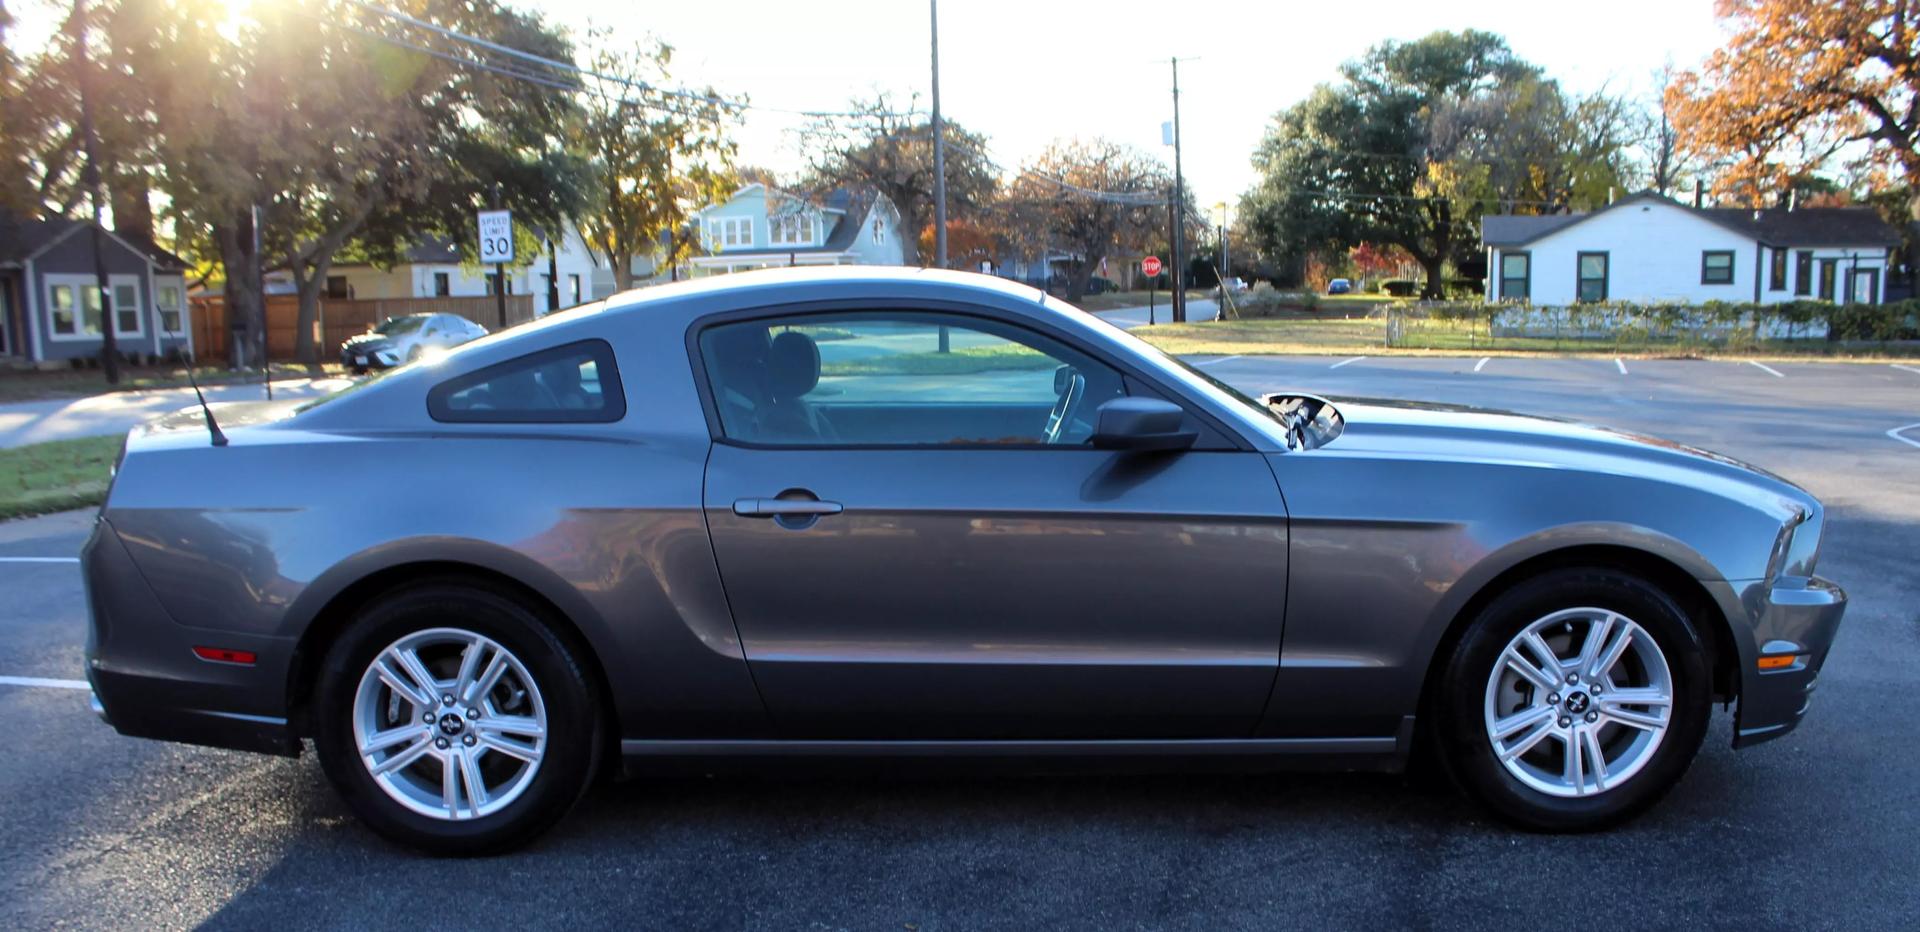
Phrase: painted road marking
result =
(1909, 441)
(39, 559)
(1210, 362)
(1621, 363)
(1347, 362)
(1482, 364)
(1908, 368)
(43, 682)
(1763, 367)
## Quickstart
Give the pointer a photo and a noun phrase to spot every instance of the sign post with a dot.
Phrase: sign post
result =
(1150, 267)
(496, 246)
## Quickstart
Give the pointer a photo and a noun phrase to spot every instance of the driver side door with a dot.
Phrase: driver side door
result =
(908, 557)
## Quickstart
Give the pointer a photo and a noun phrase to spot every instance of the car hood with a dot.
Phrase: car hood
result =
(1458, 432)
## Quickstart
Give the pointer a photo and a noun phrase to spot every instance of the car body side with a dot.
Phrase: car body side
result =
(268, 544)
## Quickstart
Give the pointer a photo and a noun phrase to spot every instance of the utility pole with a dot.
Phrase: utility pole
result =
(259, 269)
(1179, 207)
(109, 347)
(553, 274)
(499, 272)
(939, 152)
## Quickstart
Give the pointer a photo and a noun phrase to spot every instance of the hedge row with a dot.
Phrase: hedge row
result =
(1879, 322)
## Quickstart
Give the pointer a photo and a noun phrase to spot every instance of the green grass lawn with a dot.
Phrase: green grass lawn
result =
(77, 383)
(1368, 335)
(46, 477)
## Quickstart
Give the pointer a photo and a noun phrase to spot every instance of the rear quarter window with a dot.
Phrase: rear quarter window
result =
(571, 384)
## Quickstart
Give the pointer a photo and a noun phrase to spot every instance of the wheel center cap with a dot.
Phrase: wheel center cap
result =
(451, 724)
(1577, 702)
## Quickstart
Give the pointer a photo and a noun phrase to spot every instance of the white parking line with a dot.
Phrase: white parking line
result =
(1909, 441)
(1210, 362)
(1346, 362)
(1767, 369)
(43, 682)
(1621, 363)
(1908, 368)
(1482, 364)
(39, 559)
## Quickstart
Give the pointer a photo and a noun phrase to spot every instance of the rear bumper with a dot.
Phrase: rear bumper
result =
(1789, 619)
(147, 681)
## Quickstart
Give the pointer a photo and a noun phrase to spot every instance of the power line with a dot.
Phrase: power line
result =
(708, 98)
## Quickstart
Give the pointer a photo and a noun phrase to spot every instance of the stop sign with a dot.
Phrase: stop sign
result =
(1150, 265)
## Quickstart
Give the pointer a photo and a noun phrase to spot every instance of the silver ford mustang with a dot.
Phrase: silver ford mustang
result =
(896, 512)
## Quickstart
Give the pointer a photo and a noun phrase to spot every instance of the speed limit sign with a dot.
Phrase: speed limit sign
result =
(496, 236)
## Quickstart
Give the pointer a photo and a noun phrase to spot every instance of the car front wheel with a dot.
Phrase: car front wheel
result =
(454, 720)
(1576, 700)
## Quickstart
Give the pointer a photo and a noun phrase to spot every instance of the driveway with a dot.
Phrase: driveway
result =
(117, 412)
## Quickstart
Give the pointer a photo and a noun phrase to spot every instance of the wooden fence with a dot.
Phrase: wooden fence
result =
(340, 319)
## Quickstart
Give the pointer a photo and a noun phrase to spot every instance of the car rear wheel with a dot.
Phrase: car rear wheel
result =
(1575, 700)
(454, 720)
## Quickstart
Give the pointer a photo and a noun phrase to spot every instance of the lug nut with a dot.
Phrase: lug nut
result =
(473, 713)
(1565, 721)
(468, 741)
(427, 718)
(1592, 717)
(1573, 678)
(440, 743)
(1595, 690)
(446, 699)
(1552, 699)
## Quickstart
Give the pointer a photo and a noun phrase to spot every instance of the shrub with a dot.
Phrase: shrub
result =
(1401, 288)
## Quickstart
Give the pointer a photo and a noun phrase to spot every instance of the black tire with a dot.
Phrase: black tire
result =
(574, 722)
(1467, 752)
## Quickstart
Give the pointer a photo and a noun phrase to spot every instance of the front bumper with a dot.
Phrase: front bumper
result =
(147, 681)
(375, 357)
(1796, 619)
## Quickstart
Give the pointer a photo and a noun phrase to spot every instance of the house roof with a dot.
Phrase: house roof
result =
(22, 239)
(1806, 226)
(857, 207)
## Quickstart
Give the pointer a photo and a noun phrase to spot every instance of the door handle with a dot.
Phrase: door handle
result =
(784, 508)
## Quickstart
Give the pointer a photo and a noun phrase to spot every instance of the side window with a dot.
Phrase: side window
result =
(900, 379)
(575, 383)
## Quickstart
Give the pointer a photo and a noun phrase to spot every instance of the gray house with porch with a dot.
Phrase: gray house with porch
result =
(50, 302)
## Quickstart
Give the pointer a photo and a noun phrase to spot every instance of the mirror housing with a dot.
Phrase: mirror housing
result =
(1140, 424)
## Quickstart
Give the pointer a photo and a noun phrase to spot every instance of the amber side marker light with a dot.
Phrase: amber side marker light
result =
(1778, 661)
(246, 657)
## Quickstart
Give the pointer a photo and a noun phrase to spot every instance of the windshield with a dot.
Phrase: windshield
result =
(395, 326)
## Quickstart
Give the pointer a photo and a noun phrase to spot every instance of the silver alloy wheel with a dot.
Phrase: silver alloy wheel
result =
(1579, 702)
(450, 724)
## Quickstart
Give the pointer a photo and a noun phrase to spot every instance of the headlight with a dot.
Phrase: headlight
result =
(1797, 547)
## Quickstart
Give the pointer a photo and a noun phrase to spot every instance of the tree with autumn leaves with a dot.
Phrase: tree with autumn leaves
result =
(1807, 85)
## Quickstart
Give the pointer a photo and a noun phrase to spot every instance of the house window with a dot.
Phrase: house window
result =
(1516, 274)
(879, 232)
(60, 309)
(1777, 271)
(126, 310)
(337, 287)
(1803, 272)
(73, 310)
(573, 285)
(442, 284)
(791, 230)
(1829, 272)
(730, 233)
(167, 300)
(1593, 277)
(1716, 267)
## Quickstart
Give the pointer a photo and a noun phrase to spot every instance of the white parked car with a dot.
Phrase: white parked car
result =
(400, 340)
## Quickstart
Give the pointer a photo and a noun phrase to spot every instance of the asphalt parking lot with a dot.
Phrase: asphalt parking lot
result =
(1816, 830)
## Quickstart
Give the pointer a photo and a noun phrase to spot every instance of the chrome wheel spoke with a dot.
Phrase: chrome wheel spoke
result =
(404, 758)
(458, 735)
(1568, 676)
(1541, 679)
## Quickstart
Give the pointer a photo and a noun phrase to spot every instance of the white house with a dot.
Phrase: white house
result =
(434, 268)
(1648, 248)
(757, 228)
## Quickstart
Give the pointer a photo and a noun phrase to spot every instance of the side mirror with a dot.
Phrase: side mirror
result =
(1140, 424)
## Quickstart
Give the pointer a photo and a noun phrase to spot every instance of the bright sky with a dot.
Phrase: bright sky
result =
(1026, 72)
